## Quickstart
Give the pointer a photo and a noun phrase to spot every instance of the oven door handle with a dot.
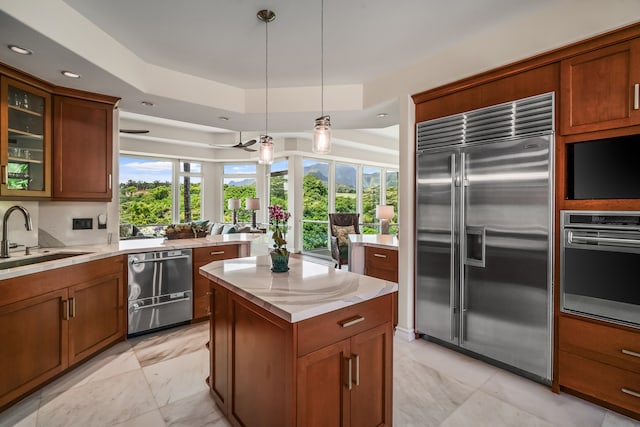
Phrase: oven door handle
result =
(143, 261)
(575, 238)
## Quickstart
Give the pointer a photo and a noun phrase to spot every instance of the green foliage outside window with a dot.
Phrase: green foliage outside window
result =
(145, 203)
(316, 200)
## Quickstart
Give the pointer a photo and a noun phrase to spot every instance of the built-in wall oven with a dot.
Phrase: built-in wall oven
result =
(160, 290)
(600, 265)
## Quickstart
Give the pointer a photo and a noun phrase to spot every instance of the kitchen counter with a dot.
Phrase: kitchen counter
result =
(358, 242)
(95, 252)
(307, 290)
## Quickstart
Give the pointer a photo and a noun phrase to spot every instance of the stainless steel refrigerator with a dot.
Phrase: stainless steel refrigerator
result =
(484, 233)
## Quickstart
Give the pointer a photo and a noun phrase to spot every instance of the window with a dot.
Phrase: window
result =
(315, 219)
(346, 188)
(190, 191)
(370, 198)
(279, 184)
(146, 196)
(239, 182)
(391, 197)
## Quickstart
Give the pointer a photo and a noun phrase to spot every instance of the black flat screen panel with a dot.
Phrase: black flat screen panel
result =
(604, 169)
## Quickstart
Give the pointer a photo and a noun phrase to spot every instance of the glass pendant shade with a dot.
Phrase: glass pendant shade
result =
(322, 135)
(265, 155)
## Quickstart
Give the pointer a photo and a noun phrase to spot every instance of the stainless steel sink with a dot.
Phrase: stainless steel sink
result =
(13, 263)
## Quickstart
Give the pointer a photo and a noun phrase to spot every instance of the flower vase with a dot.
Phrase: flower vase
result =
(279, 262)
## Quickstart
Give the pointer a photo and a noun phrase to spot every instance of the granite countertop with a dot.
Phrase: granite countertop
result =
(306, 290)
(388, 241)
(95, 252)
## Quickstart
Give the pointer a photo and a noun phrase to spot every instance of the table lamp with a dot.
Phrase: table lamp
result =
(234, 205)
(253, 205)
(384, 213)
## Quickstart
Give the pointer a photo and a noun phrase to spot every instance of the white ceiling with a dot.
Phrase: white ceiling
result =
(198, 60)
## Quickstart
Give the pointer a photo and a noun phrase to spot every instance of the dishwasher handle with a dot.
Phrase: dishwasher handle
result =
(144, 261)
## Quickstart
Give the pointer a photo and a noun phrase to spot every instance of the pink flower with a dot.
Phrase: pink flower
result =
(277, 215)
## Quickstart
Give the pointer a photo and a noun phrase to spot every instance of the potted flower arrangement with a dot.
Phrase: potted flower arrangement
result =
(279, 255)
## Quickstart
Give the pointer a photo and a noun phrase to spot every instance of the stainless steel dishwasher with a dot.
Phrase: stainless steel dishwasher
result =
(160, 290)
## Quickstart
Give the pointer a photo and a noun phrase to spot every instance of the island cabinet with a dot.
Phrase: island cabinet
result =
(601, 362)
(600, 89)
(54, 319)
(202, 256)
(82, 148)
(329, 368)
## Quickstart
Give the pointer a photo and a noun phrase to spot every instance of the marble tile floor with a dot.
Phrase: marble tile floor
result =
(158, 380)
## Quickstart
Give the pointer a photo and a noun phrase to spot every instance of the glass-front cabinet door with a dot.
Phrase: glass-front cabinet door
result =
(25, 144)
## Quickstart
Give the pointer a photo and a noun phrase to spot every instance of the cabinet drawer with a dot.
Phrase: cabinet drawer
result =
(215, 253)
(601, 381)
(381, 259)
(334, 326)
(607, 344)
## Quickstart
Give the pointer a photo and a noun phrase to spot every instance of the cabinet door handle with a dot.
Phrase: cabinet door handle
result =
(110, 183)
(73, 306)
(65, 309)
(636, 96)
(630, 353)
(351, 322)
(625, 391)
(356, 358)
(380, 255)
(216, 253)
(5, 174)
(349, 372)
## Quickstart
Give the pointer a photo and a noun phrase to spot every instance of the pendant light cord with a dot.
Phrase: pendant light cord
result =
(266, 78)
(322, 57)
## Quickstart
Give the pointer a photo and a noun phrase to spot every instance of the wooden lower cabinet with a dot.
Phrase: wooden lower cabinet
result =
(600, 362)
(51, 320)
(266, 371)
(383, 264)
(203, 256)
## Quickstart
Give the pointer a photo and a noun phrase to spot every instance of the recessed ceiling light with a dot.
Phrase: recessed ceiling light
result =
(223, 118)
(71, 74)
(147, 103)
(20, 50)
(382, 115)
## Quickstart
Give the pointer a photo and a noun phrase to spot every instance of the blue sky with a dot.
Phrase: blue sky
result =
(147, 170)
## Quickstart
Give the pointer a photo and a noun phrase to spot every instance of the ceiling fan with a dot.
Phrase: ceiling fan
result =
(240, 145)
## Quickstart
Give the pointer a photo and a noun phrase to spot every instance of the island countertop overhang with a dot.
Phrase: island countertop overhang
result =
(306, 291)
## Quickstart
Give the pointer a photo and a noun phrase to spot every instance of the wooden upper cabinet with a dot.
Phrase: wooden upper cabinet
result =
(599, 89)
(82, 149)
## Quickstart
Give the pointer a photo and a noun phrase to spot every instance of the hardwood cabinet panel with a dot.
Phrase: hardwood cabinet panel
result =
(322, 387)
(218, 380)
(34, 343)
(371, 397)
(203, 256)
(598, 89)
(320, 331)
(82, 149)
(97, 316)
(604, 382)
(611, 345)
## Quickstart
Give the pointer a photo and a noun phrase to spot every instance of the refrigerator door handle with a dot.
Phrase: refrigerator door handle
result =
(462, 247)
(455, 181)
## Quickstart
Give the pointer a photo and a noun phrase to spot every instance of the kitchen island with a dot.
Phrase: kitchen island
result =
(310, 347)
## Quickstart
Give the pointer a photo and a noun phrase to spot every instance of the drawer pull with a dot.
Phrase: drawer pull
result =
(216, 253)
(351, 322)
(380, 255)
(630, 353)
(630, 392)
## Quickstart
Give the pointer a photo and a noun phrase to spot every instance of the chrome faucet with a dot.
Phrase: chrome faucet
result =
(4, 249)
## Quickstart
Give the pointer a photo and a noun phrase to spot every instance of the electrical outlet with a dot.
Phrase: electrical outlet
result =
(82, 223)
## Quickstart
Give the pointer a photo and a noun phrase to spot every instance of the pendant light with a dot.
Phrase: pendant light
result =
(265, 154)
(322, 129)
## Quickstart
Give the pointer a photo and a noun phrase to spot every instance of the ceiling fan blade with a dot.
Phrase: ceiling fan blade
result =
(134, 131)
(249, 143)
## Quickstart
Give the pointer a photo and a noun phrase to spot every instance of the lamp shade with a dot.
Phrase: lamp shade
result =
(322, 135)
(233, 204)
(265, 153)
(384, 211)
(253, 204)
